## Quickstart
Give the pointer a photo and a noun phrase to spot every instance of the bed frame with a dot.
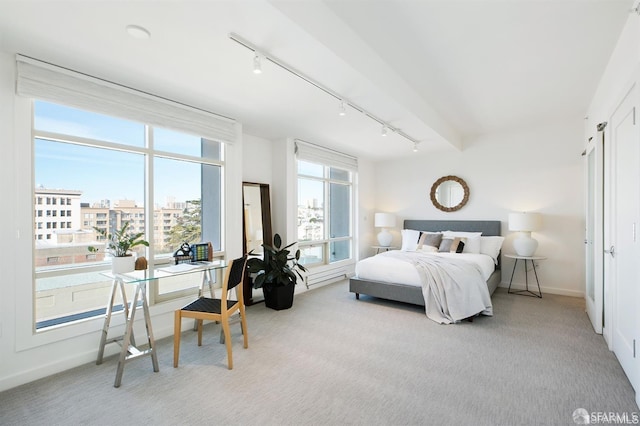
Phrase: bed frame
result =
(412, 294)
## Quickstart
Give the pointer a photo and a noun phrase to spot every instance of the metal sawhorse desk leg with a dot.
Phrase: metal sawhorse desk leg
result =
(129, 350)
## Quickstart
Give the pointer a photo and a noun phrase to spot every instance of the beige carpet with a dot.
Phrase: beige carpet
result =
(333, 360)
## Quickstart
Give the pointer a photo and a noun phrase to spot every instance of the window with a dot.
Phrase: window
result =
(96, 166)
(325, 213)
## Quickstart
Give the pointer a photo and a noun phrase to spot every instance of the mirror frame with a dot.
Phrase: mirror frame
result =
(267, 232)
(458, 206)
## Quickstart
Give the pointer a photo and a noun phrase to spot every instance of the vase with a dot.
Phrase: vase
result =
(122, 265)
(278, 297)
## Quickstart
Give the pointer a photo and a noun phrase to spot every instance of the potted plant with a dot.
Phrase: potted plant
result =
(119, 245)
(277, 273)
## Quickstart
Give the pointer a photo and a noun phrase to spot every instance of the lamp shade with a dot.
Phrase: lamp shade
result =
(384, 220)
(526, 221)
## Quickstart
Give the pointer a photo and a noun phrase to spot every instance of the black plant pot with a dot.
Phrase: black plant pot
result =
(278, 297)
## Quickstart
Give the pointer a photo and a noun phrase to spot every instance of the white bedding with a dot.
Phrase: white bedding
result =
(453, 284)
(386, 267)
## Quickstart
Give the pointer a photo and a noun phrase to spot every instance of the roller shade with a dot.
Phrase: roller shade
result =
(41, 80)
(317, 154)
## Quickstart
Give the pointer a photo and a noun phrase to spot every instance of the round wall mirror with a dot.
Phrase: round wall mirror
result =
(449, 193)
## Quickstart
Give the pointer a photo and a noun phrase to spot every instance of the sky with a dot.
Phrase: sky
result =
(110, 174)
(117, 175)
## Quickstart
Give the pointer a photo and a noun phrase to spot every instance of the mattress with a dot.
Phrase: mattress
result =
(389, 267)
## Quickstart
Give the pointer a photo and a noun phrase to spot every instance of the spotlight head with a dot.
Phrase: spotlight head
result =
(383, 132)
(257, 66)
(342, 111)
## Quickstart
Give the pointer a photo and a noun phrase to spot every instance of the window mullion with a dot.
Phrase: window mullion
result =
(149, 196)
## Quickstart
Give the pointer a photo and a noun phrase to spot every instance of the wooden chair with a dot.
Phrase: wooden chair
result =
(220, 310)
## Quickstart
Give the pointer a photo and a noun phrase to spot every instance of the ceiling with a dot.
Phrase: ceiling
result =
(442, 71)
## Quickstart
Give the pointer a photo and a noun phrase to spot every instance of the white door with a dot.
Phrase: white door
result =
(624, 222)
(594, 295)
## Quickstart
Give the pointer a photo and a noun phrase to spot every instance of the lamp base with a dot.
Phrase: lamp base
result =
(524, 245)
(384, 238)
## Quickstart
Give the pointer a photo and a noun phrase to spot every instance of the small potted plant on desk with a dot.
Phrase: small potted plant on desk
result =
(277, 274)
(119, 245)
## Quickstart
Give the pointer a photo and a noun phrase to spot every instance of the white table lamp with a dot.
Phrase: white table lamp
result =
(524, 223)
(384, 221)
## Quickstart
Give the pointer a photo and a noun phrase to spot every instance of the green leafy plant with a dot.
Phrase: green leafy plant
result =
(277, 267)
(120, 242)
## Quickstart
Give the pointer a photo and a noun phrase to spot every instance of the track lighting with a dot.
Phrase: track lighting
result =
(342, 111)
(260, 54)
(415, 147)
(257, 66)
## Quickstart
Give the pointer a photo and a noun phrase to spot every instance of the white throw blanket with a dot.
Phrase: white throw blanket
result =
(453, 289)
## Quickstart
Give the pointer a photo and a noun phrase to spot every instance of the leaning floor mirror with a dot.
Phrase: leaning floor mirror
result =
(256, 226)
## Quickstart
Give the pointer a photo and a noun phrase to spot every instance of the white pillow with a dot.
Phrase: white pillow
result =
(491, 246)
(472, 243)
(410, 239)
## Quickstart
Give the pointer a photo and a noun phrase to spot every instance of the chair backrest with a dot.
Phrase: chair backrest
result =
(236, 272)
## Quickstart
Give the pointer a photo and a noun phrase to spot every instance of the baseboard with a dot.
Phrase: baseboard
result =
(47, 370)
(548, 290)
(163, 330)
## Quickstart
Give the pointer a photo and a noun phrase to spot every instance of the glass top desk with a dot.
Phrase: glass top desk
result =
(139, 280)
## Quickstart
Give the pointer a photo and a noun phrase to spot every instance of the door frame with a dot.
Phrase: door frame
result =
(631, 92)
(608, 200)
(595, 246)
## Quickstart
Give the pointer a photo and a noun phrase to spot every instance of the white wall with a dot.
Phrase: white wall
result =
(366, 207)
(623, 65)
(7, 219)
(538, 169)
(256, 161)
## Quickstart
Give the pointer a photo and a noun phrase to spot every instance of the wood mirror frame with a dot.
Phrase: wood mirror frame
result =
(449, 208)
(263, 212)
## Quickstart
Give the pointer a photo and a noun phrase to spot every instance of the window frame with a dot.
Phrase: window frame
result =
(149, 154)
(327, 240)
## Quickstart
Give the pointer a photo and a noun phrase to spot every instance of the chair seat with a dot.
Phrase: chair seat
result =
(205, 304)
(213, 309)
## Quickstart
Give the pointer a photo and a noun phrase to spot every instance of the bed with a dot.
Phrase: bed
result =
(393, 286)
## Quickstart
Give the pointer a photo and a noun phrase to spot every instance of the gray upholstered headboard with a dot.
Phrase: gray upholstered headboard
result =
(487, 227)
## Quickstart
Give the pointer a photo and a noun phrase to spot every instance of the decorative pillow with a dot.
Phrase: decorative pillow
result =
(428, 249)
(491, 246)
(452, 245)
(471, 245)
(410, 239)
(432, 239)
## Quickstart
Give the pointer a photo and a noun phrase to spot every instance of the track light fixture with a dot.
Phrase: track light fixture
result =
(259, 55)
(257, 66)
